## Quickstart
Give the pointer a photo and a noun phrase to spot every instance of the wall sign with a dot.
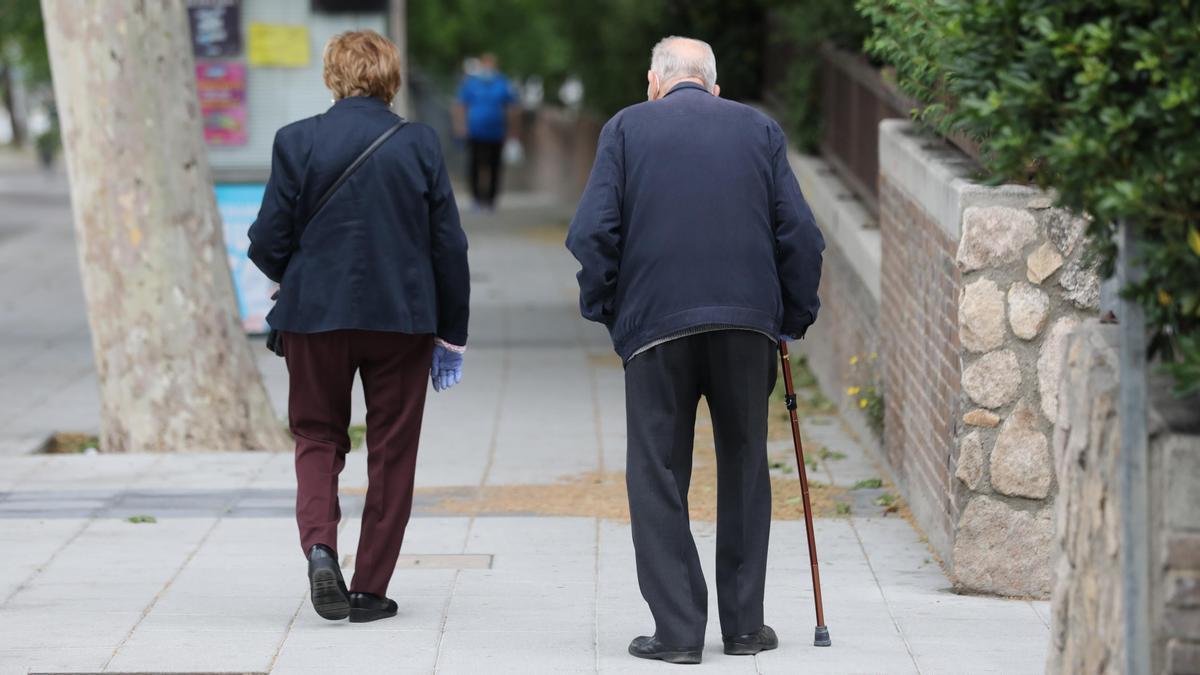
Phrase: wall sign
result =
(216, 28)
(278, 45)
(238, 204)
(221, 86)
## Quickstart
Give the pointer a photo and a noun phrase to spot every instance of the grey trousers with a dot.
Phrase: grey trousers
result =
(735, 371)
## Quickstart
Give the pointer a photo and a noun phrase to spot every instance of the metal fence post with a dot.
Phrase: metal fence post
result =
(1135, 512)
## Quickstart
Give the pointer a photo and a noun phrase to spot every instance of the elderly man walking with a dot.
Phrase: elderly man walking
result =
(698, 253)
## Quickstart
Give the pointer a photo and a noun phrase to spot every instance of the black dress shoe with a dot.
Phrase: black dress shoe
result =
(366, 607)
(329, 595)
(761, 640)
(649, 647)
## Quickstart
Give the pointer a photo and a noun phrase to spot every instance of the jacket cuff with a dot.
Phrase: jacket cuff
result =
(457, 349)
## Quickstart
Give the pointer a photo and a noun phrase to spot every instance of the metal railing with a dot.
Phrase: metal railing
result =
(854, 100)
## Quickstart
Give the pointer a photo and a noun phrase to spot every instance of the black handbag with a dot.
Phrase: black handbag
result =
(274, 338)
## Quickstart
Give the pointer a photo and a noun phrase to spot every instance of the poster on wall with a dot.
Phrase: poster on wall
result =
(278, 45)
(216, 28)
(221, 86)
(238, 205)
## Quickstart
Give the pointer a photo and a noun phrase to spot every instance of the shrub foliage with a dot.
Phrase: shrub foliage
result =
(1097, 99)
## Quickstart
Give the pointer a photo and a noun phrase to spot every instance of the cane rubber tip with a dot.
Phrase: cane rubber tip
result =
(821, 639)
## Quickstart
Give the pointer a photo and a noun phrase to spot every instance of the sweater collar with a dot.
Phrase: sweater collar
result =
(359, 102)
(685, 85)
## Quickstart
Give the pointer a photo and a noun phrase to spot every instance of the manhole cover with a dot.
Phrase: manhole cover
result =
(436, 561)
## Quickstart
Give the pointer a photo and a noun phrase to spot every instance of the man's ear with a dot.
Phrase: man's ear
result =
(651, 90)
(716, 90)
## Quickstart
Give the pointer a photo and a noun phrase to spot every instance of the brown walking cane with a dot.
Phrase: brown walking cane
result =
(821, 639)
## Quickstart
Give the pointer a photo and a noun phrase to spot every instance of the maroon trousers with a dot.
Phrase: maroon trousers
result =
(395, 371)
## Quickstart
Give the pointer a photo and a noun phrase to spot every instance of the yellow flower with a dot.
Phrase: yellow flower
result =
(854, 360)
(874, 356)
(1164, 298)
(853, 391)
(862, 403)
(1194, 240)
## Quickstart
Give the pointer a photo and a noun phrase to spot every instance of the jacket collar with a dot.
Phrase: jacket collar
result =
(685, 85)
(359, 102)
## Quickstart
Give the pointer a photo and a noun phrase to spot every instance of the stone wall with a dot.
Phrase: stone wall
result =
(1086, 603)
(980, 287)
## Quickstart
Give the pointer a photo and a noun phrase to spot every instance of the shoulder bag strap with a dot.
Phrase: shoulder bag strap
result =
(358, 161)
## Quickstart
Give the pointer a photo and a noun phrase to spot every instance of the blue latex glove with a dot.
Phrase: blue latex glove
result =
(446, 370)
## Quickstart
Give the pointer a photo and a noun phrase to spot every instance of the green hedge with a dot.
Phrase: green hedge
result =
(1097, 99)
(800, 28)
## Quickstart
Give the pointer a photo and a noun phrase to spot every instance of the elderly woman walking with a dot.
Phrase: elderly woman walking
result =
(360, 229)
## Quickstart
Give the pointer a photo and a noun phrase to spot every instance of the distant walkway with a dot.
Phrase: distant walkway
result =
(216, 582)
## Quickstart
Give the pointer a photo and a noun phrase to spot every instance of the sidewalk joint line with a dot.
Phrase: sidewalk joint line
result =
(493, 443)
(233, 499)
(287, 633)
(88, 521)
(886, 603)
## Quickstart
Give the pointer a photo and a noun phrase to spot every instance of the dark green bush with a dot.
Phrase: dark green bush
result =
(1097, 99)
(799, 29)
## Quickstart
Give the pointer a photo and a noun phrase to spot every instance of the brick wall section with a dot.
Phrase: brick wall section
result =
(919, 328)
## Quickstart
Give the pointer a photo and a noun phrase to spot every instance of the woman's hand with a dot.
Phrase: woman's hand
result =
(446, 370)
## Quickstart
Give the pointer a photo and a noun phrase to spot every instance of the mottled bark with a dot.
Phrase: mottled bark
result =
(175, 370)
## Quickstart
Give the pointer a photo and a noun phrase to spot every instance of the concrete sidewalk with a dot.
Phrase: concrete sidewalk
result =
(216, 583)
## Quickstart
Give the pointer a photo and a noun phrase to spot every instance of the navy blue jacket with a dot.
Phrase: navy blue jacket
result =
(692, 217)
(386, 253)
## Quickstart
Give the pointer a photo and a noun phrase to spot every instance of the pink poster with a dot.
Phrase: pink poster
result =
(222, 89)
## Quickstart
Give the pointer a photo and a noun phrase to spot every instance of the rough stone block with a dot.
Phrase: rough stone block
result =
(1049, 364)
(994, 235)
(1183, 657)
(1182, 622)
(1081, 284)
(1183, 551)
(1065, 229)
(1028, 308)
(994, 379)
(970, 461)
(981, 316)
(1183, 589)
(1044, 261)
(1183, 482)
(1021, 457)
(981, 418)
(989, 532)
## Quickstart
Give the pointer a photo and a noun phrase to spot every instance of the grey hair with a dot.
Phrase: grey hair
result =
(672, 64)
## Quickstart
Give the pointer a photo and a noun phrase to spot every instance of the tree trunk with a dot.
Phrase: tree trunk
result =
(174, 367)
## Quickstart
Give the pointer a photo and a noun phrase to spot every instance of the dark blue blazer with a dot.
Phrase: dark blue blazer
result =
(387, 252)
(691, 218)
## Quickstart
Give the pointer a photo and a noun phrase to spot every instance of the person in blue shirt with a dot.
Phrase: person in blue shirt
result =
(486, 102)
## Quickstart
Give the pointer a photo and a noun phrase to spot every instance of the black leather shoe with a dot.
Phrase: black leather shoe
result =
(366, 607)
(761, 640)
(649, 647)
(329, 595)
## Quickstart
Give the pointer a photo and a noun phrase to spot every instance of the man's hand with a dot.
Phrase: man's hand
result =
(446, 370)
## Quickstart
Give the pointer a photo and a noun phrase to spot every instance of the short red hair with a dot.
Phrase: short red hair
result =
(362, 63)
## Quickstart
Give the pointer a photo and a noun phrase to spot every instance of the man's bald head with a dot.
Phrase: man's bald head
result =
(675, 59)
